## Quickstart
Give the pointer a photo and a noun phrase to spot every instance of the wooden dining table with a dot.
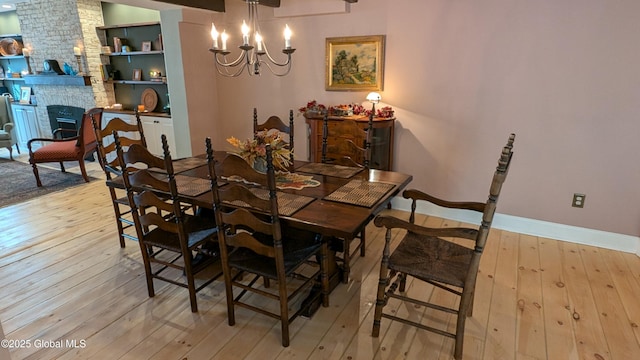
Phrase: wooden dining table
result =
(340, 202)
(327, 217)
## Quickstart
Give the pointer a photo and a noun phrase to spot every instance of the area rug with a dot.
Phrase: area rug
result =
(19, 183)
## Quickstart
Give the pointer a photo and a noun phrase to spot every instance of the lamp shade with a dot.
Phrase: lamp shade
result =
(374, 97)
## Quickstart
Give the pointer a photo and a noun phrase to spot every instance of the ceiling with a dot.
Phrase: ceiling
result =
(213, 5)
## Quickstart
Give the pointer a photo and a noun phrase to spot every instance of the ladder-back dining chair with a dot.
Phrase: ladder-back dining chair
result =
(168, 236)
(345, 143)
(274, 122)
(75, 148)
(254, 242)
(128, 134)
(447, 258)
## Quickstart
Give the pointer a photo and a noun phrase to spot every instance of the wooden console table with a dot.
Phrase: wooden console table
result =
(381, 147)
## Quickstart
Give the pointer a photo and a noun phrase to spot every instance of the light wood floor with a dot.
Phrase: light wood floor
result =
(64, 277)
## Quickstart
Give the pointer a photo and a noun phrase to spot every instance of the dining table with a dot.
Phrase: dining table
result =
(331, 200)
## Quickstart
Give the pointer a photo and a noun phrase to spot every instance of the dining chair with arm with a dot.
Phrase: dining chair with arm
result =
(274, 122)
(254, 242)
(168, 236)
(340, 147)
(128, 135)
(447, 258)
(75, 148)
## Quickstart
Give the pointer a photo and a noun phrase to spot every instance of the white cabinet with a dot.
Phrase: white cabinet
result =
(26, 122)
(154, 127)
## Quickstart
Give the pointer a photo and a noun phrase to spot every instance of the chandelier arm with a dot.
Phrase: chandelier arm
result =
(273, 61)
(274, 72)
(227, 64)
(225, 72)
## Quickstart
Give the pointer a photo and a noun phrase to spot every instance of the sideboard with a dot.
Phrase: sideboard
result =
(382, 143)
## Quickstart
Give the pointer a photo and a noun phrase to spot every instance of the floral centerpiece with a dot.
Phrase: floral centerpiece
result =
(254, 150)
(313, 108)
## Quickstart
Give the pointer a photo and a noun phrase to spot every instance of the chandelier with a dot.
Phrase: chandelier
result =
(253, 51)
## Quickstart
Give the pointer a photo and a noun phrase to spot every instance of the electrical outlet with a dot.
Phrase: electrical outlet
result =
(578, 200)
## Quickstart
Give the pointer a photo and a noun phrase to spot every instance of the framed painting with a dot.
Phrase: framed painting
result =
(355, 63)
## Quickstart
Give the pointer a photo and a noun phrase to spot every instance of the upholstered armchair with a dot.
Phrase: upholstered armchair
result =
(7, 133)
(68, 149)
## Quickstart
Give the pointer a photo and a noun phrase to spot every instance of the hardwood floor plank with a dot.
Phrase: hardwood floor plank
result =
(619, 335)
(501, 327)
(64, 276)
(559, 335)
(628, 287)
(530, 340)
(476, 327)
(590, 336)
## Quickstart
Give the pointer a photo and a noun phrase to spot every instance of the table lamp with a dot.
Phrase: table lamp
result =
(374, 98)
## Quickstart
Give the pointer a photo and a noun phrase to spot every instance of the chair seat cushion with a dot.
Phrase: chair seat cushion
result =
(198, 230)
(4, 135)
(56, 151)
(432, 258)
(297, 246)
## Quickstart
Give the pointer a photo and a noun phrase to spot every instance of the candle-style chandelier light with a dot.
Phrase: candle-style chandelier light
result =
(253, 50)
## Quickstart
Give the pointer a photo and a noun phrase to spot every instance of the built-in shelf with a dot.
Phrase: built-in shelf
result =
(57, 80)
(133, 53)
(12, 79)
(136, 82)
(9, 57)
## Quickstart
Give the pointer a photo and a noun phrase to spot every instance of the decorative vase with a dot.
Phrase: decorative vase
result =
(260, 164)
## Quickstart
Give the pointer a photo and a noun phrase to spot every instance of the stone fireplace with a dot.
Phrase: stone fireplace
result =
(51, 30)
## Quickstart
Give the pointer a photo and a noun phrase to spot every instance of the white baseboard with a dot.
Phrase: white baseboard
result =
(574, 234)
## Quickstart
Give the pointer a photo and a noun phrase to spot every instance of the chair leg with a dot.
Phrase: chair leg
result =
(83, 170)
(10, 153)
(346, 257)
(363, 241)
(35, 172)
(380, 302)
(462, 317)
(18, 148)
(403, 283)
(284, 309)
(190, 283)
(228, 279)
(147, 269)
(62, 167)
(324, 273)
(118, 214)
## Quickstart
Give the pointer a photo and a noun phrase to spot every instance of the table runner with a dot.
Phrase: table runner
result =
(340, 171)
(360, 192)
(284, 180)
(288, 204)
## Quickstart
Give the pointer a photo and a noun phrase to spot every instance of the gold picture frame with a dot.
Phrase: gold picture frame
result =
(355, 63)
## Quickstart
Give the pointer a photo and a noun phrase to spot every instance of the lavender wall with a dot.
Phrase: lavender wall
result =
(461, 76)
